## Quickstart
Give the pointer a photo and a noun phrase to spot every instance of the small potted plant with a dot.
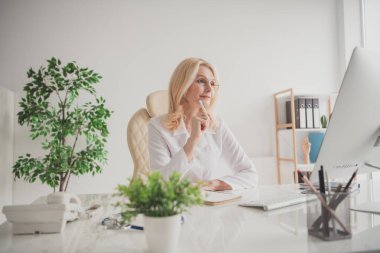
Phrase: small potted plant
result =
(161, 203)
(73, 134)
(324, 121)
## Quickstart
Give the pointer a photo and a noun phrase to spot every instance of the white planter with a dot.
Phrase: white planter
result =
(162, 233)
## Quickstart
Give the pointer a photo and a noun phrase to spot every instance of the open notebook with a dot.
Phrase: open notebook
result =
(219, 198)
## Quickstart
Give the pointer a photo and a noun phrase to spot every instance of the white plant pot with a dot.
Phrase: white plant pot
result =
(162, 233)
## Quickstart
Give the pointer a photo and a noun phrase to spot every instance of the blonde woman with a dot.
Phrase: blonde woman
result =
(190, 139)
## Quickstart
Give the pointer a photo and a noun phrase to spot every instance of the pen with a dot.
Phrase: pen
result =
(332, 205)
(202, 106)
(337, 198)
(341, 197)
(323, 202)
(350, 181)
(330, 199)
(134, 227)
(322, 189)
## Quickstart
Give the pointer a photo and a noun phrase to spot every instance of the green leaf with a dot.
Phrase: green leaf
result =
(50, 109)
(157, 197)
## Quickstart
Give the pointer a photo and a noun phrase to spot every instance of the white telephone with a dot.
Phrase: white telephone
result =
(46, 215)
(71, 201)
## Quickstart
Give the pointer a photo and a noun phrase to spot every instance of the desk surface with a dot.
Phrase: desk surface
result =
(228, 228)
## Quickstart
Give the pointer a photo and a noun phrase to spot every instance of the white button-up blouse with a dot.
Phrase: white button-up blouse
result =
(167, 154)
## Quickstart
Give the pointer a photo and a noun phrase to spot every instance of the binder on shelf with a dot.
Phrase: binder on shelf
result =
(316, 113)
(309, 113)
(297, 112)
(288, 108)
(302, 111)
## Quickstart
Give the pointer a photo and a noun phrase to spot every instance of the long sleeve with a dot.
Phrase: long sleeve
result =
(160, 157)
(167, 154)
(245, 172)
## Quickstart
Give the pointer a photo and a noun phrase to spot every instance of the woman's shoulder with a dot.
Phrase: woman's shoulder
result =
(222, 126)
(158, 122)
(219, 121)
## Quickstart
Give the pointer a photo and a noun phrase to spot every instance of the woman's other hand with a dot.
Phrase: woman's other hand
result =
(217, 185)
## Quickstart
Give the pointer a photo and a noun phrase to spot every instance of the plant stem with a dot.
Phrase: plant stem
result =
(59, 97)
(72, 150)
(61, 182)
(67, 181)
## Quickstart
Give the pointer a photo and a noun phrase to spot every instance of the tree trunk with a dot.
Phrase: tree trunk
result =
(61, 184)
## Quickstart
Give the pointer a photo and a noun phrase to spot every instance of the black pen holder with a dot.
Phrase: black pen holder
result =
(321, 221)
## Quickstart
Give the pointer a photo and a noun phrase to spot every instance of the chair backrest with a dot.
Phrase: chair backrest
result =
(137, 131)
(157, 103)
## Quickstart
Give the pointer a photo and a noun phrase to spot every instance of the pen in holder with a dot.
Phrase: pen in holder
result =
(334, 209)
(321, 224)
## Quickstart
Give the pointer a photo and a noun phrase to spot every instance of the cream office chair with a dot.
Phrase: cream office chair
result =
(157, 103)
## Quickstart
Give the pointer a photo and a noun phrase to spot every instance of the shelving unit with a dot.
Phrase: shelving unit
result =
(287, 129)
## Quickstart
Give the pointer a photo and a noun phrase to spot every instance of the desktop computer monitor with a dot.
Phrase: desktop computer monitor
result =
(354, 127)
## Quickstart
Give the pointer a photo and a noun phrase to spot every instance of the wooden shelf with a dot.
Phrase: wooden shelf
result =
(306, 167)
(284, 126)
(288, 95)
(306, 130)
(286, 159)
(301, 166)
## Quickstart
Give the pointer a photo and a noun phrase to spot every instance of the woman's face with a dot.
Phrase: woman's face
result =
(202, 88)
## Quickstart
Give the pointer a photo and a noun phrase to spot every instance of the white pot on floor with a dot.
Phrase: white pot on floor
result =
(162, 233)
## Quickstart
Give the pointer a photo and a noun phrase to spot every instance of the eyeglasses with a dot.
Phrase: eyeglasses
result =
(203, 82)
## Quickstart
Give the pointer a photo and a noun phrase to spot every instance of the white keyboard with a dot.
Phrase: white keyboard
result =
(274, 202)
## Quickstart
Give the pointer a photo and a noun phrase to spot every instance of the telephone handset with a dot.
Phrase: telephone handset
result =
(71, 201)
(63, 198)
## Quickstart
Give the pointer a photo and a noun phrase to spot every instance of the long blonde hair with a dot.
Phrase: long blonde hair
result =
(180, 81)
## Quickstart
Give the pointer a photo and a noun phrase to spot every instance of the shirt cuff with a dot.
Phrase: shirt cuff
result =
(229, 181)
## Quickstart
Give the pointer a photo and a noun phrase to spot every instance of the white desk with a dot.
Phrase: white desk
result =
(228, 228)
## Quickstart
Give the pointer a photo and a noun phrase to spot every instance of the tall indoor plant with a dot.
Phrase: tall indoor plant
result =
(73, 134)
(162, 203)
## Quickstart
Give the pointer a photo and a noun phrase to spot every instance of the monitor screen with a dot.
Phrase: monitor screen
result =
(354, 125)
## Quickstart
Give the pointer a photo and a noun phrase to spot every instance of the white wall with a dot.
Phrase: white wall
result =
(6, 147)
(349, 30)
(259, 47)
(351, 27)
(372, 24)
